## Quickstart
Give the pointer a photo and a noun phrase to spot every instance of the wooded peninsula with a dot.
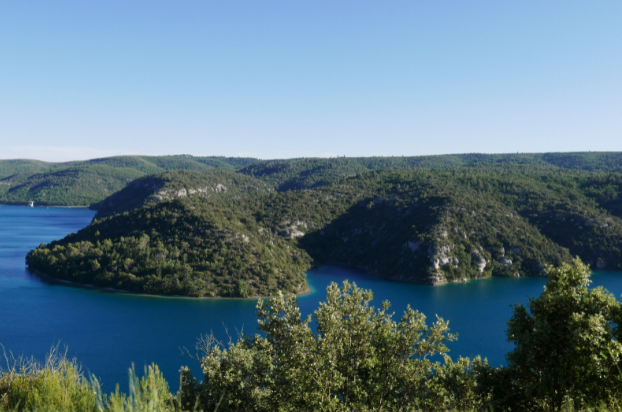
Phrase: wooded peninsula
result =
(233, 227)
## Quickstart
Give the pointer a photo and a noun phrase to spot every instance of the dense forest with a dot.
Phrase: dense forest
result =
(177, 247)
(292, 174)
(224, 233)
(82, 183)
(179, 184)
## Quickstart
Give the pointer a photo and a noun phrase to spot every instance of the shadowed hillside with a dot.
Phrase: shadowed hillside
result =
(424, 226)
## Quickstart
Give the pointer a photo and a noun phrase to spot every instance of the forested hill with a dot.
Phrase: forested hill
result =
(425, 226)
(83, 183)
(89, 182)
(292, 174)
(180, 184)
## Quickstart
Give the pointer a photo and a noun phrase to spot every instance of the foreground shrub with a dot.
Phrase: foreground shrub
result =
(56, 385)
(357, 359)
(568, 349)
(149, 394)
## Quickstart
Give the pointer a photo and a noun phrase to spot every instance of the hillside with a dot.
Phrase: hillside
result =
(295, 174)
(179, 184)
(177, 247)
(424, 226)
(86, 182)
(83, 183)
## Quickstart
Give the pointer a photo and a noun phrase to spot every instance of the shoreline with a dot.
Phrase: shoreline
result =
(25, 205)
(127, 292)
(309, 290)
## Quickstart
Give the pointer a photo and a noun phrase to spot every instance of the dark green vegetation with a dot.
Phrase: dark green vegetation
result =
(351, 356)
(179, 247)
(82, 183)
(567, 347)
(59, 385)
(150, 190)
(295, 174)
(223, 233)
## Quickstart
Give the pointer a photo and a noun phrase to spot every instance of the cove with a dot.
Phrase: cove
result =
(109, 331)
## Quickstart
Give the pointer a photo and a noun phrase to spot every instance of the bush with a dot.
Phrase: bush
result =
(568, 348)
(56, 385)
(359, 359)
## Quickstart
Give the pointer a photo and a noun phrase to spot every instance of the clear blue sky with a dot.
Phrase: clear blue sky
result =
(275, 79)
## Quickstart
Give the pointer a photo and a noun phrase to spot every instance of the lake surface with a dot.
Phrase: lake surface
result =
(108, 331)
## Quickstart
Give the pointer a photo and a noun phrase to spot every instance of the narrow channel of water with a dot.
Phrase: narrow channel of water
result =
(108, 331)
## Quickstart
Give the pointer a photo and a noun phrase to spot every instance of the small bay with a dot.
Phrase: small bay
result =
(109, 331)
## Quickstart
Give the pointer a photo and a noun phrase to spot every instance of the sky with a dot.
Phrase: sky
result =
(281, 79)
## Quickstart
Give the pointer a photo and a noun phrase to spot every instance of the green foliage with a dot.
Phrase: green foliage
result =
(424, 226)
(149, 190)
(148, 394)
(358, 358)
(57, 385)
(355, 357)
(60, 386)
(242, 289)
(295, 174)
(397, 222)
(83, 183)
(567, 347)
(179, 247)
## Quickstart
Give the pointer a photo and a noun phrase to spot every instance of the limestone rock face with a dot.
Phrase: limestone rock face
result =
(168, 195)
(480, 263)
(293, 230)
(593, 222)
(295, 233)
(505, 262)
(440, 255)
(200, 190)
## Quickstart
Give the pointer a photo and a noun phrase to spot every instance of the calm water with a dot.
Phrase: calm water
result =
(110, 331)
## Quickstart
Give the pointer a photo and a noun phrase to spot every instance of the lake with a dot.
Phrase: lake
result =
(109, 331)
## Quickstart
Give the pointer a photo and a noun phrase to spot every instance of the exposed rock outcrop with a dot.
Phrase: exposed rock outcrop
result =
(480, 263)
(441, 255)
(505, 262)
(294, 229)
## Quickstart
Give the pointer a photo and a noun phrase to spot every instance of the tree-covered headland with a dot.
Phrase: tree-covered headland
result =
(223, 233)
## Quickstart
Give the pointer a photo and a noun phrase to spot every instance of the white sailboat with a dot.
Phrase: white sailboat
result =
(31, 204)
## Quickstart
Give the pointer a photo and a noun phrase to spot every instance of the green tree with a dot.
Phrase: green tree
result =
(567, 346)
(357, 359)
(243, 290)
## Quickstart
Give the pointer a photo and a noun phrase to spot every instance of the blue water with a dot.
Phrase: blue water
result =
(109, 331)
